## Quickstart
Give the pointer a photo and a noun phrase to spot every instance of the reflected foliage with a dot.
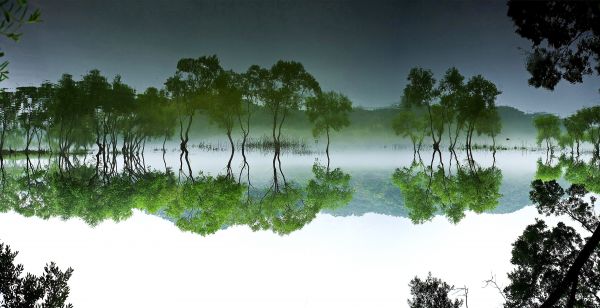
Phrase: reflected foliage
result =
(201, 204)
(430, 190)
(547, 171)
(577, 171)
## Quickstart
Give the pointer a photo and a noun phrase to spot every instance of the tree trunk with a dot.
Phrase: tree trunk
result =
(573, 272)
(229, 172)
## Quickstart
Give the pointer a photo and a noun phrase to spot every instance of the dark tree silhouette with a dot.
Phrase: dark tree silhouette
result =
(556, 267)
(565, 37)
(17, 290)
(431, 293)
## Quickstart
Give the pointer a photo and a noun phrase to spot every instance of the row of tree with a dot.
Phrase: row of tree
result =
(431, 108)
(71, 114)
(570, 132)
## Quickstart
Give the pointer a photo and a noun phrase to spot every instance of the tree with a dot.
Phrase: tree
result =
(546, 171)
(412, 124)
(548, 128)
(49, 290)
(191, 87)
(8, 116)
(328, 189)
(96, 93)
(157, 113)
(478, 106)
(71, 117)
(575, 126)
(565, 37)
(226, 106)
(15, 14)
(286, 88)
(452, 92)
(542, 257)
(430, 190)
(328, 111)
(555, 267)
(253, 87)
(431, 293)
(420, 92)
(591, 117)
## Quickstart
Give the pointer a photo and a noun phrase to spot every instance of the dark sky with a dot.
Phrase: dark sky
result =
(361, 48)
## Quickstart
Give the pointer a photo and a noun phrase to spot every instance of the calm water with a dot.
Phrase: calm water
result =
(345, 241)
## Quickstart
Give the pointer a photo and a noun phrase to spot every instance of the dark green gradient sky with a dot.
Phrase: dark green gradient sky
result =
(363, 49)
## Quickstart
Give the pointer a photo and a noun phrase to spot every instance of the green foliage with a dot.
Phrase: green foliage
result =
(328, 111)
(416, 192)
(546, 171)
(206, 204)
(427, 191)
(548, 129)
(412, 124)
(328, 189)
(583, 173)
(451, 106)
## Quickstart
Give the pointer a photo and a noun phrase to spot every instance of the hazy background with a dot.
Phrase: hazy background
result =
(361, 48)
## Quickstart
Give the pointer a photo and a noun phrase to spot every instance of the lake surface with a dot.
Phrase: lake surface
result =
(349, 240)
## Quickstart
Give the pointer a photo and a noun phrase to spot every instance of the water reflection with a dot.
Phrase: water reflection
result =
(434, 188)
(448, 184)
(69, 187)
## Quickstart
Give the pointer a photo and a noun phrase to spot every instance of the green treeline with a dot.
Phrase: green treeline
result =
(72, 115)
(570, 132)
(450, 106)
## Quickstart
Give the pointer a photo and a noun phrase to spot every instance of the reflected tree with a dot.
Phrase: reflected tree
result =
(428, 189)
(546, 171)
(328, 111)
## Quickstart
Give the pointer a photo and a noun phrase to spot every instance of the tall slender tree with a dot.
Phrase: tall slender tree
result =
(328, 111)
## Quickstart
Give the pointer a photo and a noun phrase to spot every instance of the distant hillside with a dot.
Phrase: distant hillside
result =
(368, 127)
